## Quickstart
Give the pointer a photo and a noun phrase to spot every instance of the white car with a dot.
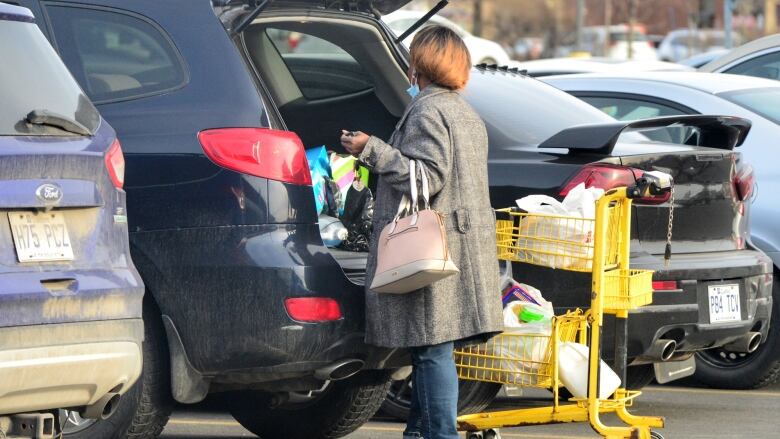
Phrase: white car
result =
(653, 94)
(481, 50)
(684, 43)
(567, 66)
(594, 41)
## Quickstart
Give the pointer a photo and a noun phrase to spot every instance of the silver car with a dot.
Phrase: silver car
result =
(760, 58)
(651, 94)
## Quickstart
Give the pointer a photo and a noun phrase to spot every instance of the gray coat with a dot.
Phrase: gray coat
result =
(440, 129)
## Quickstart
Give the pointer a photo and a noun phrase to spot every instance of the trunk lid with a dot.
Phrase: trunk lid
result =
(708, 215)
(59, 206)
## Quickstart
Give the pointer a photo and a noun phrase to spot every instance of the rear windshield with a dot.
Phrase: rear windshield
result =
(32, 78)
(765, 101)
(521, 111)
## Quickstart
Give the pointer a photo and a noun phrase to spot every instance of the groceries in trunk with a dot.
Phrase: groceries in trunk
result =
(344, 202)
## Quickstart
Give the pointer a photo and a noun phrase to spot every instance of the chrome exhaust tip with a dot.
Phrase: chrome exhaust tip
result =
(661, 350)
(339, 370)
(747, 344)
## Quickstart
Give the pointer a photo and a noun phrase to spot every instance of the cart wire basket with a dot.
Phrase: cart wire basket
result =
(520, 359)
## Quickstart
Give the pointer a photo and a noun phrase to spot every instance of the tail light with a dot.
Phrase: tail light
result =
(115, 164)
(606, 176)
(273, 154)
(665, 285)
(744, 181)
(313, 309)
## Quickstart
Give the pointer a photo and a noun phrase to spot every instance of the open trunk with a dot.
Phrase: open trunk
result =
(327, 73)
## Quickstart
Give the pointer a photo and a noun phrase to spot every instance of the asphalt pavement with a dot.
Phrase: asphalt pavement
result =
(690, 412)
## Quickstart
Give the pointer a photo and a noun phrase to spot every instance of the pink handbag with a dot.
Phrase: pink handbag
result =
(412, 251)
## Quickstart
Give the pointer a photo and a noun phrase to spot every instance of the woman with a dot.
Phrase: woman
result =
(443, 132)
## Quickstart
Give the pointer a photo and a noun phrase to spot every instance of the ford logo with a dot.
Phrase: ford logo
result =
(49, 193)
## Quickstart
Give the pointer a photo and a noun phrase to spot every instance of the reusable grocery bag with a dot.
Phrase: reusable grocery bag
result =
(320, 170)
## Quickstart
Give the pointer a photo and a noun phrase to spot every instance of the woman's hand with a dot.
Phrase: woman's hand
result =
(354, 141)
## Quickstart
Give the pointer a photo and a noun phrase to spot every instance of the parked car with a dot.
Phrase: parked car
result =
(566, 66)
(701, 59)
(222, 217)
(482, 51)
(611, 42)
(759, 58)
(685, 43)
(636, 96)
(70, 329)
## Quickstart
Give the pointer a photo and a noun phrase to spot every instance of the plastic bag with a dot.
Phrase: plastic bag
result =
(332, 231)
(559, 242)
(357, 218)
(319, 166)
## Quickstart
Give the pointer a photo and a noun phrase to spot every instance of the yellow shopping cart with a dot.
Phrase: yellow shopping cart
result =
(599, 246)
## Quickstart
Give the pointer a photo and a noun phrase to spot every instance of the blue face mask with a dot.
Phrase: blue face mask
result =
(414, 90)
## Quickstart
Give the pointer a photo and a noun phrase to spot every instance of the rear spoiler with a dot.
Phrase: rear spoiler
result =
(722, 132)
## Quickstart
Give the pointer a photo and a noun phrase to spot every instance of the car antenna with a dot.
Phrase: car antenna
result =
(439, 6)
(259, 6)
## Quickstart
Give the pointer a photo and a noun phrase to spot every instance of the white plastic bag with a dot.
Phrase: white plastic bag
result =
(559, 242)
(523, 348)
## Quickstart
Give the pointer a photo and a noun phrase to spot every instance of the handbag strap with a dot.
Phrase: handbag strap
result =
(411, 204)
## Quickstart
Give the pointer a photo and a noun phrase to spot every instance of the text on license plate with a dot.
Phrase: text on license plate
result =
(724, 303)
(40, 237)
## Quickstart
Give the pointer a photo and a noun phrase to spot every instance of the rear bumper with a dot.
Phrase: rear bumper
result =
(684, 314)
(69, 364)
(233, 326)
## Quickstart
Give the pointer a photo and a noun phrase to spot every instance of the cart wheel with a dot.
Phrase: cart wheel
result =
(474, 435)
(656, 435)
(491, 434)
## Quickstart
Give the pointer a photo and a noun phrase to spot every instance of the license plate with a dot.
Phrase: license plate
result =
(724, 303)
(40, 237)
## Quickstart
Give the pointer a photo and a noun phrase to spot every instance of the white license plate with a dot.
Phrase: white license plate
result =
(40, 237)
(724, 303)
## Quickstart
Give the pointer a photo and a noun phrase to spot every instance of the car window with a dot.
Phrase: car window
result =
(37, 80)
(764, 66)
(320, 68)
(115, 56)
(628, 109)
(623, 36)
(765, 101)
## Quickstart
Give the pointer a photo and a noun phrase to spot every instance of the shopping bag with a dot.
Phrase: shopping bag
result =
(564, 239)
(319, 166)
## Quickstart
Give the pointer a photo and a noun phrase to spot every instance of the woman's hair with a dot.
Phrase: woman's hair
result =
(439, 54)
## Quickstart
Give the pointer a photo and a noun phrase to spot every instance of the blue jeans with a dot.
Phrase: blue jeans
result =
(434, 393)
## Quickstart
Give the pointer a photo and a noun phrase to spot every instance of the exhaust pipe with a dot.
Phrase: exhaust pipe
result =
(103, 408)
(746, 344)
(339, 370)
(661, 350)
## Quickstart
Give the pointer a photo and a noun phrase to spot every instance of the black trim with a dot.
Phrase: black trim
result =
(722, 132)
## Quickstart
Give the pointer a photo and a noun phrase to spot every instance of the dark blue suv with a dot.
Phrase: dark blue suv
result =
(70, 298)
(206, 96)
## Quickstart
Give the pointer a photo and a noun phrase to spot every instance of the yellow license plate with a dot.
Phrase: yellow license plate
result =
(40, 237)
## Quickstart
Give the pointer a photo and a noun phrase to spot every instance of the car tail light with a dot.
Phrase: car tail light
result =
(262, 152)
(606, 176)
(115, 164)
(665, 285)
(744, 181)
(313, 309)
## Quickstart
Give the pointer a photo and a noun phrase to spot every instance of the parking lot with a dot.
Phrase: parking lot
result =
(690, 412)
